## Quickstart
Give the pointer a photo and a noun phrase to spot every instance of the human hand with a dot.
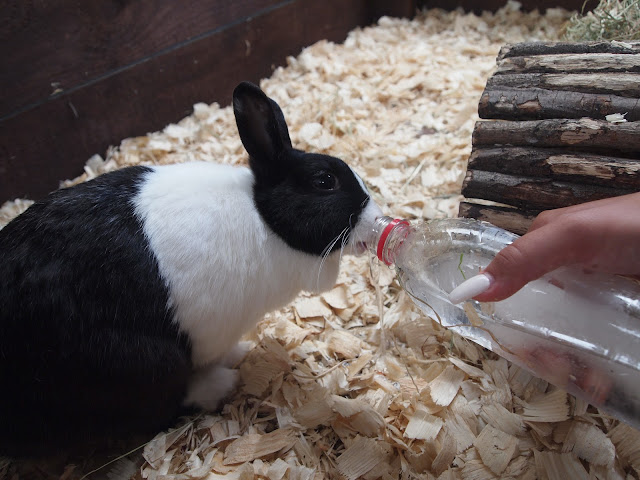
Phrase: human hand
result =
(603, 236)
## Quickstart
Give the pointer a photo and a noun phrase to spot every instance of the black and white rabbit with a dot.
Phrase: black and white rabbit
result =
(121, 299)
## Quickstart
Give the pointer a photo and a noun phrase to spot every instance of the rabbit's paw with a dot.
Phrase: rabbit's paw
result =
(234, 357)
(210, 385)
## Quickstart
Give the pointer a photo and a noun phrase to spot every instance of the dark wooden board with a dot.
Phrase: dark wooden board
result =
(62, 45)
(51, 140)
(52, 46)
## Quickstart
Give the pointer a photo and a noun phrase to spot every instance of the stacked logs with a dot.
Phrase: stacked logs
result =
(554, 139)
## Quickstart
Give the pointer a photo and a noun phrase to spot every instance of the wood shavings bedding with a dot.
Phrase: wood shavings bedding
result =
(356, 382)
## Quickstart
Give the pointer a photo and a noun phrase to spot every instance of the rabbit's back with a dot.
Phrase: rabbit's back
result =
(78, 263)
(84, 315)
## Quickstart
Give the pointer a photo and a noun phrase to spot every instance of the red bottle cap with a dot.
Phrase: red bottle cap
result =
(385, 234)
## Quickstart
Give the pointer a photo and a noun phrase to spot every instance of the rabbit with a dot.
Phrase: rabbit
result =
(122, 298)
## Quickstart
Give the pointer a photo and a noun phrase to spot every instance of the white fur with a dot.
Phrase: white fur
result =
(214, 382)
(363, 230)
(210, 385)
(360, 181)
(223, 266)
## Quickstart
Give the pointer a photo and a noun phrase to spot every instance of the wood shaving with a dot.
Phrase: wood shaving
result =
(357, 382)
(552, 465)
(496, 448)
(502, 419)
(445, 386)
(12, 209)
(361, 457)
(254, 445)
(422, 425)
(547, 407)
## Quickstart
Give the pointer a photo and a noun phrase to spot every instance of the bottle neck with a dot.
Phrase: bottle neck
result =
(388, 235)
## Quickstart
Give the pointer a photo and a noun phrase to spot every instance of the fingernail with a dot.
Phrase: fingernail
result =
(470, 288)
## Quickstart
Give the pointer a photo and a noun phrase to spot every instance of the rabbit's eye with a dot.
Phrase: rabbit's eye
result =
(325, 181)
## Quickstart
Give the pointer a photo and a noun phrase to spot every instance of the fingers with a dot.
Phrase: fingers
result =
(598, 234)
(470, 288)
(531, 256)
(603, 236)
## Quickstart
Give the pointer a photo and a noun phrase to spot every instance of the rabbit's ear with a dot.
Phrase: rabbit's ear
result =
(261, 126)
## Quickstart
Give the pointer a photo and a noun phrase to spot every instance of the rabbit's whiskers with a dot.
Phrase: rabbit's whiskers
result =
(344, 235)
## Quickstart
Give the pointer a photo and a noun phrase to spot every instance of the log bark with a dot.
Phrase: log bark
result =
(585, 134)
(570, 63)
(558, 164)
(562, 48)
(621, 84)
(535, 103)
(516, 221)
(531, 193)
(549, 144)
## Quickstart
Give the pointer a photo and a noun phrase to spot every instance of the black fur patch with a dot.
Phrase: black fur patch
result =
(87, 343)
(307, 218)
(286, 190)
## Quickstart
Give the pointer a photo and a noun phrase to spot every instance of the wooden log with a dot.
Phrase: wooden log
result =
(596, 136)
(621, 84)
(570, 63)
(562, 151)
(531, 193)
(535, 103)
(526, 49)
(559, 164)
(516, 221)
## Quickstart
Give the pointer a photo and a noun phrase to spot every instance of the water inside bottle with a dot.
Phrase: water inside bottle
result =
(581, 338)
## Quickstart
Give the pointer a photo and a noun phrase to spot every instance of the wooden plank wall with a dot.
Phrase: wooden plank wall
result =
(78, 76)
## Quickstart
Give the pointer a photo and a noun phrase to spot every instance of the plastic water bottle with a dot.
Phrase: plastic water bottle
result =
(578, 331)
